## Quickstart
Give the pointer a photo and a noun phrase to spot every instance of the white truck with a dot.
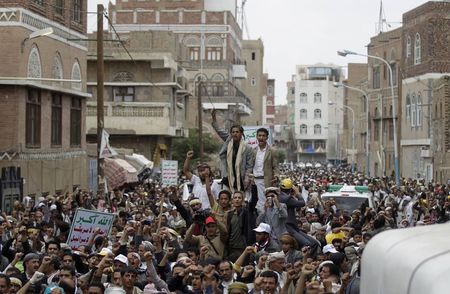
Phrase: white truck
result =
(349, 198)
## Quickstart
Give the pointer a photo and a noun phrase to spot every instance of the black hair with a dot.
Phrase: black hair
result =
(6, 278)
(264, 130)
(334, 269)
(226, 192)
(241, 129)
(52, 242)
(196, 250)
(69, 268)
(270, 274)
(128, 269)
(98, 285)
(227, 261)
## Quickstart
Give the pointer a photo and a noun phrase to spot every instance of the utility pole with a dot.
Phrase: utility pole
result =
(100, 81)
(200, 121)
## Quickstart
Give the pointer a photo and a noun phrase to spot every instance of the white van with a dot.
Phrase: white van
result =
(407, 261)
(349, 198)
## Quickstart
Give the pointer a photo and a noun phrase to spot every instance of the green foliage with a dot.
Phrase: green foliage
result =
(181, 146)
(281, 155)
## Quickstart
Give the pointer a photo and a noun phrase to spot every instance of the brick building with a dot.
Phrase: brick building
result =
(42, 93)
(388, 46)
(269, 105)
(213, 38)
(425, 60)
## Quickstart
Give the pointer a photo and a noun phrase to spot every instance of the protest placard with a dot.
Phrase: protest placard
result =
(85, 222)
(169, 172)
(250, 135)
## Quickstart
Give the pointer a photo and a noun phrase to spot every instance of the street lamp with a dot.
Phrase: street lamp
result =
(394, 123)
(365, 96)
(40, 33)
(353, 131)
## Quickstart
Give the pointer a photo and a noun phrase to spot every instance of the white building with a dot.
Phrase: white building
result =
(318, 125)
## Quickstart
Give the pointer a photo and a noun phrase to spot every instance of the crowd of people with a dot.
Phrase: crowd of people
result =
(261, 229)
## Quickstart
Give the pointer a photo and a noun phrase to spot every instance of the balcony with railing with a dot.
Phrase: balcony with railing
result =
(133, 118)
(224, 96)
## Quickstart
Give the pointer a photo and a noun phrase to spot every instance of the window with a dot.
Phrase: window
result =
(56, 120)
(417, 50)
(293, 91)
(303, 114)
(394, 74)
(194, 53)
(59, 7)
(319, 144)
(391, 130)
(253, 55)
(38, 2)
(419, 109)
(303, 98)
(270, 91)
(376, 131)
(376, 77)
(303, 129)
(253, 82)
(33, 119)
(317, 98)
(317, 113)
(217, 90)
(75, 122)
(214, 53)
(77, 11)
(123, 94)
(317, 129)
(408, 107)
(413, 110)
(408, 47)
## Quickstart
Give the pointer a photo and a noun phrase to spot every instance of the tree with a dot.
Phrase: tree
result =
(181, 146)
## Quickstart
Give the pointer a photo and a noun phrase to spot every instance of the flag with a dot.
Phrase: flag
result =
(105, 148)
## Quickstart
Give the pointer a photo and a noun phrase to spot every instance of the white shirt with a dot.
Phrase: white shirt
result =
(199, 191)
(258, 169)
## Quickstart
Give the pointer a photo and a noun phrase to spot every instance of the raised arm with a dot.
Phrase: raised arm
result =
(186, 167)
(223, 134)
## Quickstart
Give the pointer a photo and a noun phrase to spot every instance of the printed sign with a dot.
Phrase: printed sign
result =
(250, 135)
(169, 172)
(85, 223)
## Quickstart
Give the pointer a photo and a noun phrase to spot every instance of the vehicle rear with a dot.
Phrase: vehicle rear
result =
(348, 198)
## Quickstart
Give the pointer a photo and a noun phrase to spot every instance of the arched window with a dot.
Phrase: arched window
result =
(317, 129)
(303, 129)
(419, 109)
(317, 98)
(417, 50)
(303, 98)
(57, 69)
(76, 75)
(34, 64)
(413, 110)
(408, 107)
(408, 47)
(303, 114)
(317, 113)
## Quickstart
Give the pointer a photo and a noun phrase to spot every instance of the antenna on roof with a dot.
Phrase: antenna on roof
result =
(382, 25)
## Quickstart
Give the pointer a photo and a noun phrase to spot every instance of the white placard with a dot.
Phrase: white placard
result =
(169, 172)
(84, 224)
(250, 135)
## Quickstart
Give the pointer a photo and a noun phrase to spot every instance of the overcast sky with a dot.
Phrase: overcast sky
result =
(309, 31)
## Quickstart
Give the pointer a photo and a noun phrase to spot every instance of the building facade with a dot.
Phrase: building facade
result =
(43, 93)
(269, 105)
(145, 93)
(388, 46)
(213, 39)
(318, 125)
(425, 61)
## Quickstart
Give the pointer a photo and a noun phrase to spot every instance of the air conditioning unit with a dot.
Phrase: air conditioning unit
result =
(425, 153)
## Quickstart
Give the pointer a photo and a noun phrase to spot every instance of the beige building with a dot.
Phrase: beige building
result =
(388, 46)
(42, 95)
(145, 95)
(256, 83)
(213, 39)
(354, 98)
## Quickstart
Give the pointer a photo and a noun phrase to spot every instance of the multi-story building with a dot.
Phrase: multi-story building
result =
(354, 98)
(386, 45)
(318, 124)
(145, 94)
(269, 104)
(440, 110)
(290, 98)
(255, 86)
(42, 93)
(213, 38)
(425, 60)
